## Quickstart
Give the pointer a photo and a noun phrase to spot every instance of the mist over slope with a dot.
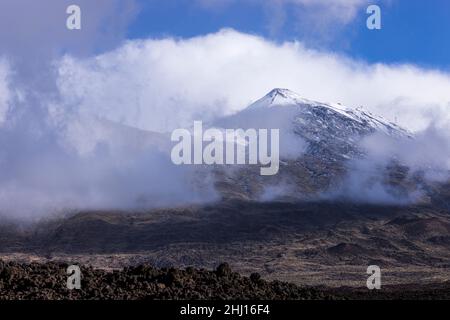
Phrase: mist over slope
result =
(326, 150)
(91, 131)
(331, 151)
(90, 163)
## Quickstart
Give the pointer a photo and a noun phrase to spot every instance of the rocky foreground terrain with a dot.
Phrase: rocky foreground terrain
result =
(309, 244)
(49, 281)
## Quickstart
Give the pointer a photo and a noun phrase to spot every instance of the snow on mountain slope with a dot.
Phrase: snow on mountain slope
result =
(322, 151)
(327, 129)
(284, 97)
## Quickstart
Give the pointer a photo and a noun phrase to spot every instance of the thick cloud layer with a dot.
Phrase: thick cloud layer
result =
(396, 170)
(86, 141)
(163, 84)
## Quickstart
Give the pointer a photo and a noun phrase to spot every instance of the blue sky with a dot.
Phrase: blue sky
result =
(413, 31)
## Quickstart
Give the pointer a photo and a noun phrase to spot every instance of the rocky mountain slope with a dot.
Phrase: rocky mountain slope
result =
(321, 243)
(321, 146)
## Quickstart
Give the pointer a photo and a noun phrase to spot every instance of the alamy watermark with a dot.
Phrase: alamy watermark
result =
(74, 277)
(374, 281)
(229, 146)
(73, 22)
(374, 20)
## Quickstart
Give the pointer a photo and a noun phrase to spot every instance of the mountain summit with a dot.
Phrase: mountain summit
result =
(320, 143)
(357, 117)
(328, 129)
(279, 97)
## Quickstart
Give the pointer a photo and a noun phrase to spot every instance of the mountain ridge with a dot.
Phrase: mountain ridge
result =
(319, 146)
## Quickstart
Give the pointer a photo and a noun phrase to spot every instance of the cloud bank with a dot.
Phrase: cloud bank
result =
(161, 84)
(93, 138)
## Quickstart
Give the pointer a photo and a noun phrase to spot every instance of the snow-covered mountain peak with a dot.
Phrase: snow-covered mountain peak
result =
(279, 97)
(327, 114)
(328, 129)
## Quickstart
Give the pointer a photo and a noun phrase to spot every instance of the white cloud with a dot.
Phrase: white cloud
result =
(162, 84)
